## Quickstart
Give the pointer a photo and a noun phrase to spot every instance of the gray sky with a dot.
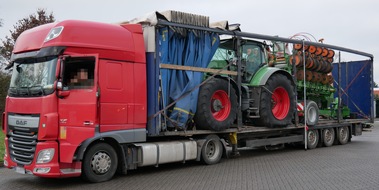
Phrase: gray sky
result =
(350, 23)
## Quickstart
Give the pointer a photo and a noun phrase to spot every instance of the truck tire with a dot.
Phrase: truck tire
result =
(99, 163)
(312, 139)
(277, 105)
(216, 106)
(343, 135)
(328, 136)
(312, 113)
(212, 149)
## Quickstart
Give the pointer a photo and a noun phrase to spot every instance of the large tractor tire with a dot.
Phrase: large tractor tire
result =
(216, 106)
(277, 104)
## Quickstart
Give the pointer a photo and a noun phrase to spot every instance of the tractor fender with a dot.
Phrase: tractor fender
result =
(263, 74)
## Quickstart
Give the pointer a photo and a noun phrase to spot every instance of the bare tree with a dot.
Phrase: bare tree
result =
(31, 21)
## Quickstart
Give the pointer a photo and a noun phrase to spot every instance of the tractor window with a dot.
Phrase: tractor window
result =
(221, 58)
(79, 72)
(252, 57)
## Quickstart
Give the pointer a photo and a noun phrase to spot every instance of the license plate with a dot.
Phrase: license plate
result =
(20, 170)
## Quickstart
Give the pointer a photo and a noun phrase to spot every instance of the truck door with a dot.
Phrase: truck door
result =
(77, 108)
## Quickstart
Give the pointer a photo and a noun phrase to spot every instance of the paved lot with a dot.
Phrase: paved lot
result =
(351, 166)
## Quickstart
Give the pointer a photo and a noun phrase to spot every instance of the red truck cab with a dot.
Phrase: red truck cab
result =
(73, 83)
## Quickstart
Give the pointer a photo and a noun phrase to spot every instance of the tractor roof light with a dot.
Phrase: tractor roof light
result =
(54, 33)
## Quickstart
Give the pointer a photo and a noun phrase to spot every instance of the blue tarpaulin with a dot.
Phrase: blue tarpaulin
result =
(195, 49)
(356, 80)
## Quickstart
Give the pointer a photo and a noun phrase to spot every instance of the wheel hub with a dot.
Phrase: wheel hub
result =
(280, 103)
(101, 163)
(220, 105)
(343, 133)
(210, 149)
(328, 135)
(311, 136)
(216, 105)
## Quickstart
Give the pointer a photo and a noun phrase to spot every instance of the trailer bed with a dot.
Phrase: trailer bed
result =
(246, 129)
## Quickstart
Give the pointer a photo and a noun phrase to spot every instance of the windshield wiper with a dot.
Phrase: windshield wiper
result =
(21, 91)
(40, 88)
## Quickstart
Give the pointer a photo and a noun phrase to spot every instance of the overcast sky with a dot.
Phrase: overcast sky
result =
(349, 23)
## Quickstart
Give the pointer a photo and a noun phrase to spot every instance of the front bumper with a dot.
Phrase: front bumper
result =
(52, 169)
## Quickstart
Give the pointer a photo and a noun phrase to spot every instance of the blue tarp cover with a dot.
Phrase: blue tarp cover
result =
(196, 49)
(356, 85)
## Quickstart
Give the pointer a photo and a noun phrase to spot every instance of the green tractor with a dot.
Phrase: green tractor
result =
(267, 91)
(272, 86)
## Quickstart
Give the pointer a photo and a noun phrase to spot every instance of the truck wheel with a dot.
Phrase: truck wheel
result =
(99, 163)
(211, 151)
(277, 105)
(312, 113)
(328, 136)
(343, 135)
(312, 139)
(216, 108)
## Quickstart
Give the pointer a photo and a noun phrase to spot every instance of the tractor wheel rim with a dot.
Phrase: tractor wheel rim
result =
(280, 103)
(220, 105)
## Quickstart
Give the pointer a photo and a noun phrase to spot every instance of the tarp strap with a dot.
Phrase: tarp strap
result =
(189, 92)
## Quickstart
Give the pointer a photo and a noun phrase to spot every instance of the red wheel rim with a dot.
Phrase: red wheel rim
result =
(220, 105)
(280, 103)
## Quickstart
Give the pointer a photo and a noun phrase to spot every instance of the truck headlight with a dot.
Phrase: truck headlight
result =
(45, 156)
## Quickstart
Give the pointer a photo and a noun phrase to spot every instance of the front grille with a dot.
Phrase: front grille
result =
(22, 146)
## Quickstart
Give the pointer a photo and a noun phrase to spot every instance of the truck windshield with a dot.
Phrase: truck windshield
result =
(33, 78)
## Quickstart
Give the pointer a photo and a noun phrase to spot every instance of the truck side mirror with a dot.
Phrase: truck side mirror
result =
(60, 92)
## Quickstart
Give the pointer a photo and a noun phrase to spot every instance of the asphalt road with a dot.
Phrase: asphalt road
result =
(351, 166)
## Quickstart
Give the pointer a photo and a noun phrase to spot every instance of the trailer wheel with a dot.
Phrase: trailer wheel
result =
(312, 113)
(343, 135)
(211, 150)
(99, 163)
(277, 105)
(216, 106)
(328, 136)
(312, 139)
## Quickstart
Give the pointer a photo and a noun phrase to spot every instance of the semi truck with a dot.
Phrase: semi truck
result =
(95, 99)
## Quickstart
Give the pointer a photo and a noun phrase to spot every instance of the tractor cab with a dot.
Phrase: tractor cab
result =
(252, 54)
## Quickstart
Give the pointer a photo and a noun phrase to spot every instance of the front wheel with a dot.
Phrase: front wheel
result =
(99, 163)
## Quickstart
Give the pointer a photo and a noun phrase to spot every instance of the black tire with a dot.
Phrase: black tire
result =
(216, 108)
(212, 149)
(312, 113)
(312, 139)
(328, 136)
(103, 153)
(277, 104)
(343, 135)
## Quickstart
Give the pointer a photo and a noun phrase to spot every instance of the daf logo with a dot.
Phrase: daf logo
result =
(21, 122)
